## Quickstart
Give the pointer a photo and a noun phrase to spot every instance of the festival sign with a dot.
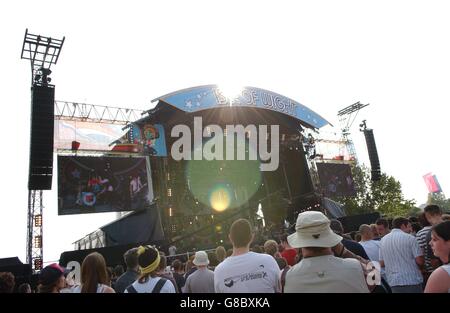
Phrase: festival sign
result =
(212, 96)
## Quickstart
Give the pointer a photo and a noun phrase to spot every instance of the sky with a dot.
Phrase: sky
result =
(326, 55)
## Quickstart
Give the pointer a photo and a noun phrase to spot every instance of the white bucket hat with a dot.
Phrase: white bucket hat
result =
(201, 258)
(313, 230)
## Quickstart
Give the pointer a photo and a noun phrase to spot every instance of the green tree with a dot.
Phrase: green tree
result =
(384, 196)
(440, 200)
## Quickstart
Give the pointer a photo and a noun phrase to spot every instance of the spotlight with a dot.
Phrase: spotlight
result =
(38, 264)
(38, 220)
(45, 71)
(42, 76)
(38, 242)
(363, 126)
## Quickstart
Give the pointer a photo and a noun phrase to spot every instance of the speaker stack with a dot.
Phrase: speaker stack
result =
(373, 154)
(41, 139)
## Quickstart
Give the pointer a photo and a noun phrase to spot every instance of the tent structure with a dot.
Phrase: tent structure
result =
(135, 228)
(333, 208)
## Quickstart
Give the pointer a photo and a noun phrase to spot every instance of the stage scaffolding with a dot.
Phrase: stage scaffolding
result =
(42, 52)
(73, 111)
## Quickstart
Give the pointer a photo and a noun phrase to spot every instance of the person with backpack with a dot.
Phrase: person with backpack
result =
(149, 281)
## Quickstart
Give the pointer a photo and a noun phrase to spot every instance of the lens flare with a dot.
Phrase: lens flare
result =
(220, 199)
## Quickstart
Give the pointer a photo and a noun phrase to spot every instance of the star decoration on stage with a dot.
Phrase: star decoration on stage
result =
(197, 100)
(76, 173)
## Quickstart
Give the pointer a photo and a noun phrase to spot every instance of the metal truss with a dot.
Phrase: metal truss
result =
(94, 240)
(72, 111)
(34, 230)
(41, 51)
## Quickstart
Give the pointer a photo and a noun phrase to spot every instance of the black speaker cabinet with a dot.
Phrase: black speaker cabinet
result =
(41, 137)
(373, 154)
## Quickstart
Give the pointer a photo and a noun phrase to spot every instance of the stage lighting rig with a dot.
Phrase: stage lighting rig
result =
(346, 117)
(41, 76)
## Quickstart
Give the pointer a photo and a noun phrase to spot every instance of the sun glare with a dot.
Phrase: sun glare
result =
(230, 91)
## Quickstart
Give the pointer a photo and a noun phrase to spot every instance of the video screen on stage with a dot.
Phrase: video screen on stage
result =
(336, 179)
(102, 184)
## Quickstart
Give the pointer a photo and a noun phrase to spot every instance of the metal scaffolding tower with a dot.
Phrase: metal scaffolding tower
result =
(42, 52)
(34, 230)
(346, 119)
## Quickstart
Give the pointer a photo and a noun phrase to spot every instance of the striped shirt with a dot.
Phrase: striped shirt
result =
(399, 250)
(421, 238)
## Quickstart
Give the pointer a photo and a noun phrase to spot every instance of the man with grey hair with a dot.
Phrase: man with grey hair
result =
(126, 279)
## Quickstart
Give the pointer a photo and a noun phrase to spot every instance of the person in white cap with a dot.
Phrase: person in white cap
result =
(320, 270)
(202, 280)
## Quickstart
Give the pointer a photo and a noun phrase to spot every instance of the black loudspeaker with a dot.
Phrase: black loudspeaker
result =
(352, 223)
(373, 154)
(41, 137)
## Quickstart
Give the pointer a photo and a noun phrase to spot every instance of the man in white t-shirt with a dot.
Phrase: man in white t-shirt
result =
(245, 271)
(372, 247)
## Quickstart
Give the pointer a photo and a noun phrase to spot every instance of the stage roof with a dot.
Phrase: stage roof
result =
(211, 96)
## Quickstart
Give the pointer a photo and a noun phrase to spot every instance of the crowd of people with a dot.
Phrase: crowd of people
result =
(408, 255)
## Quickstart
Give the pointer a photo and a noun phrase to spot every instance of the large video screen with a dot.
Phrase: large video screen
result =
(102, 184)
(336, 179)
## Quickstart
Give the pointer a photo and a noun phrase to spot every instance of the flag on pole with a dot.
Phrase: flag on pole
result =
(432, 183)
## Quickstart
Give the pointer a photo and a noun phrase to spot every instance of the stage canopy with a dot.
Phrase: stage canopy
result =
(333, 208)
(213, 96)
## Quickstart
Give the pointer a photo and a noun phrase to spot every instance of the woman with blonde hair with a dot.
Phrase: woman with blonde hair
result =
(271, 248)
(94, 276)
(149, 281)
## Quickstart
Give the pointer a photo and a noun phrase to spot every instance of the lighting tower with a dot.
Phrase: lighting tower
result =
(42, 52)
(346, 118)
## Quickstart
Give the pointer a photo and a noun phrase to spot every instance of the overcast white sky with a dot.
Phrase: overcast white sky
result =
(326, 55)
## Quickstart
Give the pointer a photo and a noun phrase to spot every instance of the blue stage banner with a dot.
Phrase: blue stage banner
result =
(154, 140)
(211, 96)
(143, 138)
